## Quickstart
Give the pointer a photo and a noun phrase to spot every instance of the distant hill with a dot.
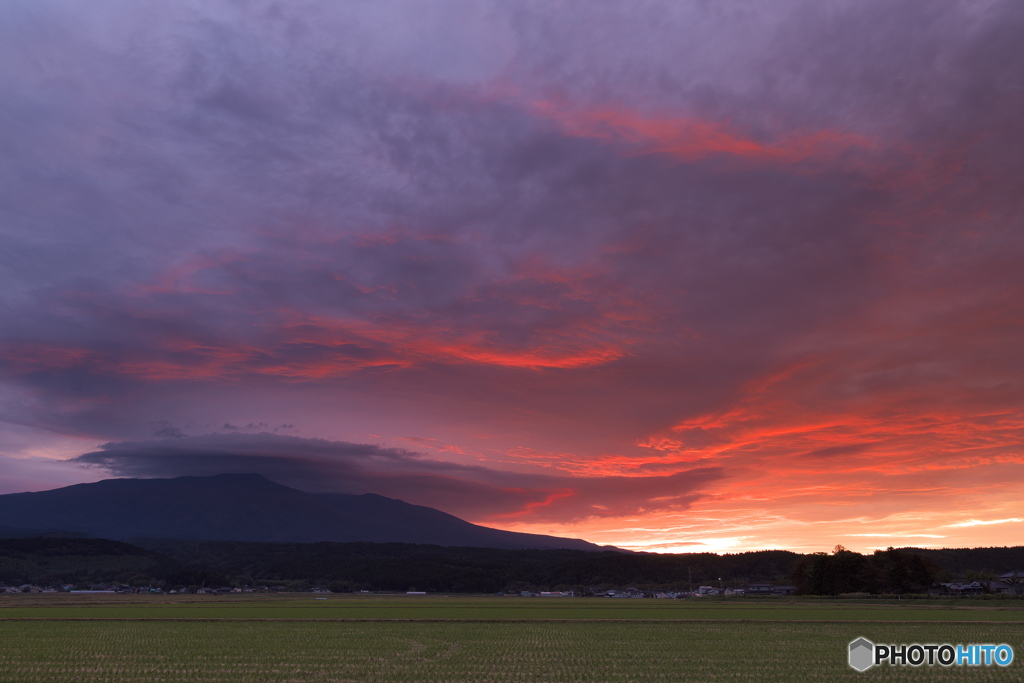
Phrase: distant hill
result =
(396, 566)
(170, 563)
(958, 561)
(55, 561)
(245, 507)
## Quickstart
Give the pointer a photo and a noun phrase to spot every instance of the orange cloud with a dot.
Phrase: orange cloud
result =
(421, 343)
(693, 139)
(313, 349)
(531, 507)
(818, 452)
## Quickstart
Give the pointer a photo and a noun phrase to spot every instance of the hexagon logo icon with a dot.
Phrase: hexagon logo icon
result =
(862, 654)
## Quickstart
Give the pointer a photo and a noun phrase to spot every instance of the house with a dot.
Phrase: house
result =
(784, 590)
(962, 587)
(1015, 580)
(760, 589)
(998, 586)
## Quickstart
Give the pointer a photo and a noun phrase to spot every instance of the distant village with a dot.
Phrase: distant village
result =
(1010, 583)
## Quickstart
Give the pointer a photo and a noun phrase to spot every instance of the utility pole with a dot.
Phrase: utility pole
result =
(689, 571)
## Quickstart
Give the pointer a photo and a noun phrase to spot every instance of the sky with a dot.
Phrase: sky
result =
(671, 275)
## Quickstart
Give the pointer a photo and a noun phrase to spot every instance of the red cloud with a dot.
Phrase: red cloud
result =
(314, 349)
(694, 139)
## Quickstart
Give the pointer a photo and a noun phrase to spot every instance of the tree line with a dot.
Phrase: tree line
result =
(845, 571)
(401, 567)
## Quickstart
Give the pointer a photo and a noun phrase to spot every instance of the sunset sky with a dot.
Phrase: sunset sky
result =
(677, 275)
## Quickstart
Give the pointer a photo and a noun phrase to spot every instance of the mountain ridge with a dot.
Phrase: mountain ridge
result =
(248, 507)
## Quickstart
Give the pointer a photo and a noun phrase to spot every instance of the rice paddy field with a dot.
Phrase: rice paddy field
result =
(411, 638)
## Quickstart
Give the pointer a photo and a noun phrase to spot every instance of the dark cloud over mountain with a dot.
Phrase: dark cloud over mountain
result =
(318, 465)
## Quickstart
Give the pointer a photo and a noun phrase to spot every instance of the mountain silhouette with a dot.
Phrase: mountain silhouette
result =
(246, 507)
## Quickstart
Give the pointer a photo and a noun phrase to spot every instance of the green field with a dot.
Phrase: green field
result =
(382, 638)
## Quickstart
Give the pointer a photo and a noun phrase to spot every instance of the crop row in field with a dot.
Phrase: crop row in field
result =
(492, 652)
(484, 608)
